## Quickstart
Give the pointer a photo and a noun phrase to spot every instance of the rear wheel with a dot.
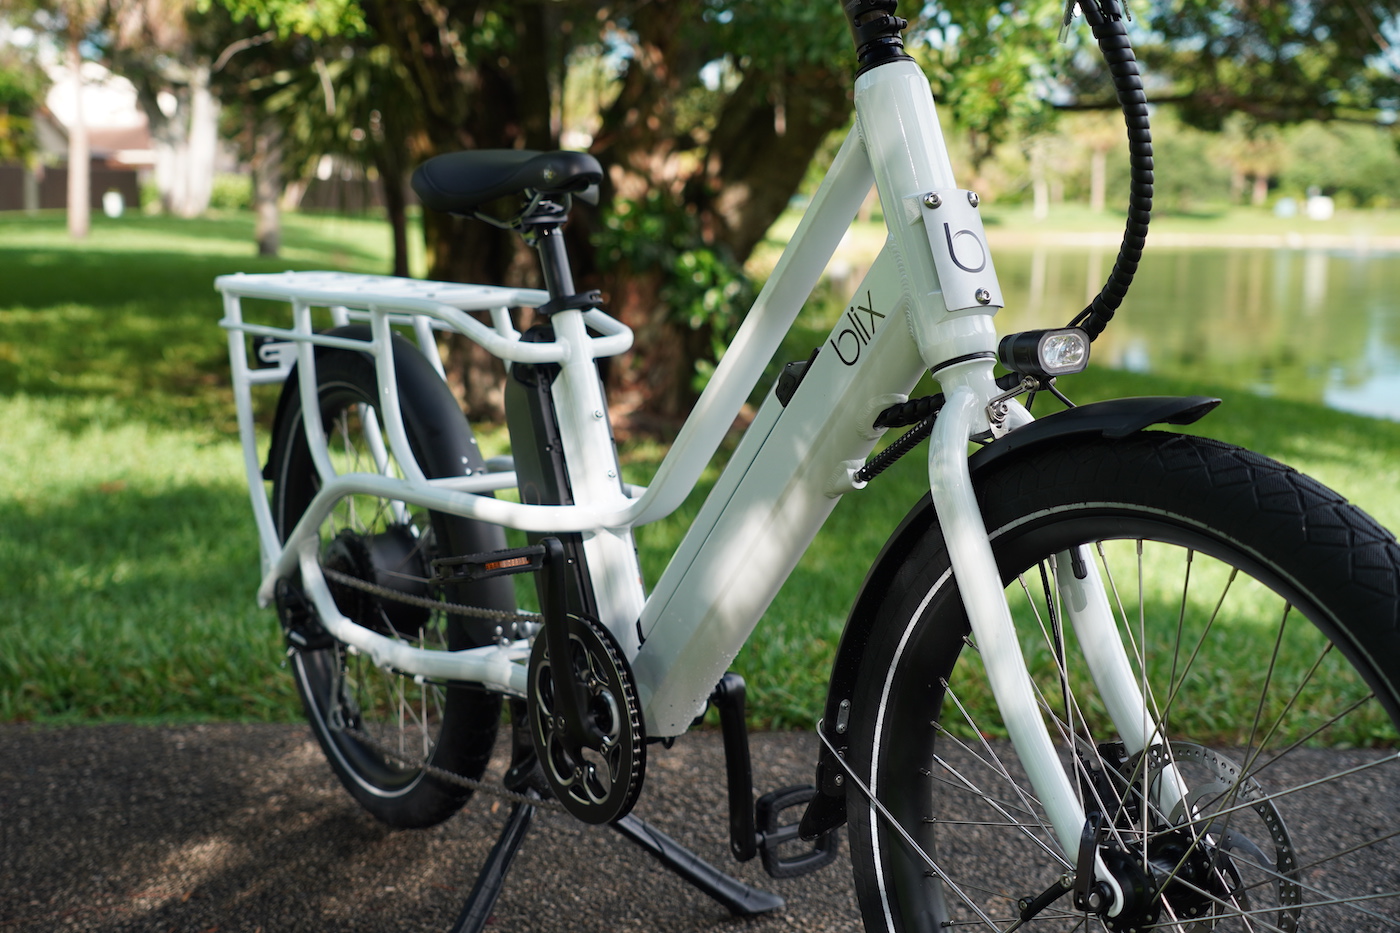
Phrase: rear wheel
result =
(1258, 613)
(381, 729)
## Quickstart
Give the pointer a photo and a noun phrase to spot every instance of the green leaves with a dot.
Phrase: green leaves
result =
(296, 17)
(22, 86)
(1280, 62)
(704, 287)
(994, 65)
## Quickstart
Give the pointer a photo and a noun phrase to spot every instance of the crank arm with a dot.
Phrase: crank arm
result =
(571, 697)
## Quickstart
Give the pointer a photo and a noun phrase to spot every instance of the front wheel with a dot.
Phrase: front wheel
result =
(1258, 615)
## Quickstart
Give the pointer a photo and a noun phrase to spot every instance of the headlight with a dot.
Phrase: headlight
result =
(1045, 353)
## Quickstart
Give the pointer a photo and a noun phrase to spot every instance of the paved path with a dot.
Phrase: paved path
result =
(223, 828)
(244, 828)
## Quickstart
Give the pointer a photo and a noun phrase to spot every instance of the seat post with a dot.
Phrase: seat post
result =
(548, 240)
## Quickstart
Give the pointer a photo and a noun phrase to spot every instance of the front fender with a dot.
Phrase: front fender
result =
(1115, 418)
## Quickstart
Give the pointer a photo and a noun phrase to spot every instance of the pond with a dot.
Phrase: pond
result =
(1309, 324)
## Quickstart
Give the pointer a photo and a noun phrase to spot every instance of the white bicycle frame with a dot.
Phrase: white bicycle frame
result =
(926, 304)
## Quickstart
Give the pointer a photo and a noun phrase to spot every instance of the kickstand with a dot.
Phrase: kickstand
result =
(492, 878)
(740, 899)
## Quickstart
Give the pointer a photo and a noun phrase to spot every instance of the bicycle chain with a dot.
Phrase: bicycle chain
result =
(451, 777)
(385, 592)
(389, 754)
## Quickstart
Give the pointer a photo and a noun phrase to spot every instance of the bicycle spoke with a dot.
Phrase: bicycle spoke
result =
(1318, 782)
(1025, 795)
(999, 769)
(968, 785)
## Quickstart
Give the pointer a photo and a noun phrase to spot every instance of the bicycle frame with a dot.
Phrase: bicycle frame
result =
(926, 304)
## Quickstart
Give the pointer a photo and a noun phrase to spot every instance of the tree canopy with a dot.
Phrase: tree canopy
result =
(706, 113)
(1278, 61)
(22, 86)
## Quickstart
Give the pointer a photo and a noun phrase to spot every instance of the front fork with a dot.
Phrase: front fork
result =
(968, 387)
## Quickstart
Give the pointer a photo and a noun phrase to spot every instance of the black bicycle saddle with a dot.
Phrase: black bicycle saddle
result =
(460, 182)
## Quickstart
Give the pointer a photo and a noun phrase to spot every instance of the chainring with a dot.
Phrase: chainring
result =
(596, 785)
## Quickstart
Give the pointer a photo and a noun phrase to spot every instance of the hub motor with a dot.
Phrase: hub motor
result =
(393, 559)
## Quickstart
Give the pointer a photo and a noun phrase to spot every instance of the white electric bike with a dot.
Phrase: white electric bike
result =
(1088, 571)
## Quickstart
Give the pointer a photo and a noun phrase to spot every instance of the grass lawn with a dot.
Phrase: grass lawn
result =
(124, 529)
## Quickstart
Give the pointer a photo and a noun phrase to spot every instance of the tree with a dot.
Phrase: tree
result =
(707, 136)
(70, 23)
(271, 70)
(714, 119)
(708, 168)
(22, 87)
(1254, 154)
(992, 64)
(153, 44)
(1277, 62)
(1100, 132)
(700, 172)
(356, 114)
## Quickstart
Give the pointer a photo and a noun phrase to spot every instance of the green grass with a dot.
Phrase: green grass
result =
(125, 317)
(130, 559)
(787, 659)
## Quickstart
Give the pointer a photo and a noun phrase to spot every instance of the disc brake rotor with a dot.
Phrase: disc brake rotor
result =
(1228, 832)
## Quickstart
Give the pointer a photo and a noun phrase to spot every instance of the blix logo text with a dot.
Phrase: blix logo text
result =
(849, 341)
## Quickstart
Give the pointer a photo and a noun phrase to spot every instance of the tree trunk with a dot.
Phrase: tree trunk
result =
(1040, 184)
(267, 187)
(203, 144)
(391, 163)
(745, 174)
(1260, 195)
(169, 137)
(396, 206)
(500, 102)
(79, 157)
(760, 151)
(1098, 173)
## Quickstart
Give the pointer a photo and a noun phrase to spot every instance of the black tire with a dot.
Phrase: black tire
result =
(1252, 701)
(343, 692)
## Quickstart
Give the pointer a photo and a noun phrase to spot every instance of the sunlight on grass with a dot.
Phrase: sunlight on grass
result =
(124, 524)
(323, 240)
(131, 566)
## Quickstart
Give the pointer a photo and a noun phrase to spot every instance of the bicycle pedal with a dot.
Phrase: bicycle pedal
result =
(774, 834)
(470, 567)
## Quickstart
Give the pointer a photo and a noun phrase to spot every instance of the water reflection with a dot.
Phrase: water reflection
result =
(1317, 325)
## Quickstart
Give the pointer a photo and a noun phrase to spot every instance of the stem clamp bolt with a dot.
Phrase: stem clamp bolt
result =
(932, 200)
(983, 296)
(973, 199)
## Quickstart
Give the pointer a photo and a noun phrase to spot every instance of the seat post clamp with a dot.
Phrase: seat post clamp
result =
(584, 301)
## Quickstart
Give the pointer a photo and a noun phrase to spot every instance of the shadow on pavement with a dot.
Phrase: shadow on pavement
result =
(243, 828)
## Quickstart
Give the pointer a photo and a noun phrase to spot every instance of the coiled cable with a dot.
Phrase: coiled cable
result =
(1106, 22)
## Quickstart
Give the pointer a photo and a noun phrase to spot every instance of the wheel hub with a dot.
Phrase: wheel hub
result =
(1191, 875)
(392, 559)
